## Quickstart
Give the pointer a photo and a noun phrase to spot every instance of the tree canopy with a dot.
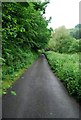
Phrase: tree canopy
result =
(24, 25)
(62, 41)
(76, 32)
(24, 32)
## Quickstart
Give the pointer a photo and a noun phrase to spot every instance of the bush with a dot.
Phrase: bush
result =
(12, 72)
(14, 62)
(66, 67)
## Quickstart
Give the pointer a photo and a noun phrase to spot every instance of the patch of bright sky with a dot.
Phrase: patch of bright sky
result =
(63, 12)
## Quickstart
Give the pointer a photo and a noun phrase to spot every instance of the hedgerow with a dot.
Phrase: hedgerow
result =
(15, 66)
(66, 67)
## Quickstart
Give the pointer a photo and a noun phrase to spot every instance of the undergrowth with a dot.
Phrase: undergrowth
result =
(66, 67)
(15, 66)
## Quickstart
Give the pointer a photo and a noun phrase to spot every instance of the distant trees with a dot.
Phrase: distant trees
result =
(76, 32)
(61, 41)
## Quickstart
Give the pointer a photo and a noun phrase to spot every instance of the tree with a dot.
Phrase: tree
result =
(62, 41)
(25, 25)
(76, 32)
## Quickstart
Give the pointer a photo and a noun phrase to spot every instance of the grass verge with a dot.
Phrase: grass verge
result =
(11, 73)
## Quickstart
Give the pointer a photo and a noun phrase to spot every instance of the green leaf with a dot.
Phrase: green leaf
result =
(13, 93)
(4, 92)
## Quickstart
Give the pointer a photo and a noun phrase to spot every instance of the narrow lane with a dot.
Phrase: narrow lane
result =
(39, 95)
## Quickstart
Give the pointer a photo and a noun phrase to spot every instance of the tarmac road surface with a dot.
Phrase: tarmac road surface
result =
(39, 95)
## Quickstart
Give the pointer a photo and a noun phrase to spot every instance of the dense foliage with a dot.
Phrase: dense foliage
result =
(63, 57)
(24, 26)
(76, 32)
(66, 67)
(23, 60)
(24, 32)
(61, 41)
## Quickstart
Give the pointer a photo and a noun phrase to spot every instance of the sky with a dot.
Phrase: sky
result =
(63, 12)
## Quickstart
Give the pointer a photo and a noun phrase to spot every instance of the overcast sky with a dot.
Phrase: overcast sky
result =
(63, 12)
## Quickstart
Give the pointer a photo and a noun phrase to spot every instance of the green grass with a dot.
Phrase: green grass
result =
(11, 73)
(66, 67)
(9, 81)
